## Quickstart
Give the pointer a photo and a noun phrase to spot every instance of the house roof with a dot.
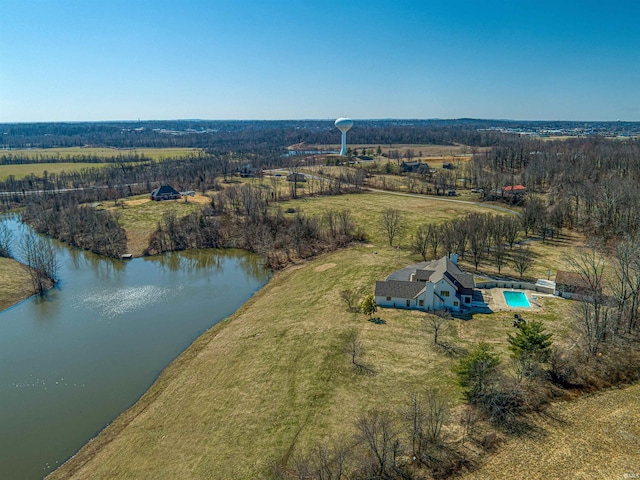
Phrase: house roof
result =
(514, 188)
(571, 279)
(405, 273)
(165, 190)
(433, 271)
(398, 289)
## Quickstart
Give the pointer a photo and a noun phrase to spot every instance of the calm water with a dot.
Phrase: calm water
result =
(71, 362)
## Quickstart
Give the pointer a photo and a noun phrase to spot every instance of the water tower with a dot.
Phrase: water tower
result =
(344, 124)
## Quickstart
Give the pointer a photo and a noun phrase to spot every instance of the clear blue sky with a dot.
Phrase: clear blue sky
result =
(72, 60)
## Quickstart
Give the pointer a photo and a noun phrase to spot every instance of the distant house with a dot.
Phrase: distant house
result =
(513, 190)
(247, 171)
(414, 167)
(165, 192)
(427, 286)
(296, 177)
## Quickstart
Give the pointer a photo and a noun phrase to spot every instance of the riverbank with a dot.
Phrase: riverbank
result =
(15, 283)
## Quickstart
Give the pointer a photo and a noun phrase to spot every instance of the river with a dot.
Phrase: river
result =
(70, 362)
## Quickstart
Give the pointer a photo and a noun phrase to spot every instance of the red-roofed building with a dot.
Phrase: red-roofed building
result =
(514, 190)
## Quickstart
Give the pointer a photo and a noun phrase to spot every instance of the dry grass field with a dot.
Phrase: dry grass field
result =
(274, 378)
(38, 169)
(15, 283)
(427, 150)
(595, 437)
(139, 216)
(69, 152)
(42, 154)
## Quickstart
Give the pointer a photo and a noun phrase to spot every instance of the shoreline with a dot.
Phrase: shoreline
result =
(111, 431)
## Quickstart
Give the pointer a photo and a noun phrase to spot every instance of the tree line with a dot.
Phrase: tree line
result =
(244, 217)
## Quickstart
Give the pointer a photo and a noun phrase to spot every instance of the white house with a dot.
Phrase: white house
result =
(427, 286)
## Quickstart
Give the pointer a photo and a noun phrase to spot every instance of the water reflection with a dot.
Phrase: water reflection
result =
(72, 360)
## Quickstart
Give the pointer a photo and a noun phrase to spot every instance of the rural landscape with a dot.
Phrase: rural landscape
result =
(312, 377)
(264, 239)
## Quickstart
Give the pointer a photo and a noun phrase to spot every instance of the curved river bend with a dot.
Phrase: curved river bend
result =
(74, 360)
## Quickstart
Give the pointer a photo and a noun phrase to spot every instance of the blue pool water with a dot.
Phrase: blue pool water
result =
(516, 299)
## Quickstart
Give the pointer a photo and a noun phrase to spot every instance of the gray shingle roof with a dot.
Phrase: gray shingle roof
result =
(398, 283)
(398, 289)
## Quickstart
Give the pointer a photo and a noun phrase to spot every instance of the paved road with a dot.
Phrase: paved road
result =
(444, 199)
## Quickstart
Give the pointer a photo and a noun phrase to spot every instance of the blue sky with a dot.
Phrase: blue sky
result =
(74, 60)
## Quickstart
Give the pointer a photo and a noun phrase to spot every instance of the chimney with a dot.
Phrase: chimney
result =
(454, 258)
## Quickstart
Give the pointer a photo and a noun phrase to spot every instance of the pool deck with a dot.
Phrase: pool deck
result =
(496, 302)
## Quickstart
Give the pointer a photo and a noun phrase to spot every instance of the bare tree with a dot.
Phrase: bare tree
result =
(595, 318)
(511, 229)
(421, 241)
(6, 239)
(378, 433)
(522, 260)
(393, 222)
(626, 281)
(355, 349)
(41, 261)
(426, 415)
(351, 298)
(435, 322)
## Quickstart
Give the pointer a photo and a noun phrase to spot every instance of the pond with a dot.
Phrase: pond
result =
(72, 361)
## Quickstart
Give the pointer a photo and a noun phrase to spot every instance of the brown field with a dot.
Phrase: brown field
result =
(38, 169)
(69, 152)
(42, 154)
(15, 283)
(274, 378)
(426, 149)
(595, 437)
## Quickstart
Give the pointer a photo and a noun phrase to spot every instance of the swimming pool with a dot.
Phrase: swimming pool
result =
(516, 299)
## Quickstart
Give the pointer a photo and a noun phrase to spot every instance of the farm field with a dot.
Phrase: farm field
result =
(38, 169)
(105, 152)
(42, 157)
(274, 380)
(428, 150)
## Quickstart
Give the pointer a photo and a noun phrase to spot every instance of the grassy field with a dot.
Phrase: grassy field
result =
(596, 437)
(42, 154)
(139, 216)
(427, 150)
(15, 283)
(69, 152)
(274, 378)
(38, 169)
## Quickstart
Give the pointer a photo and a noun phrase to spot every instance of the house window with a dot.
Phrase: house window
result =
(388, 299)
(421, 303)
(444, 293)
(455, 304)
(467, 299)
(408, 302)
